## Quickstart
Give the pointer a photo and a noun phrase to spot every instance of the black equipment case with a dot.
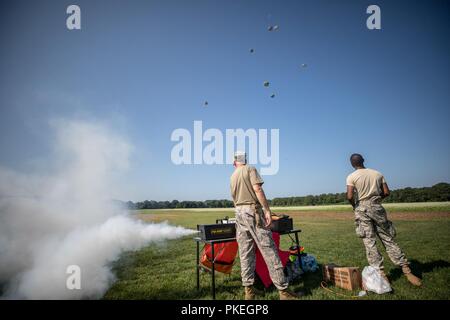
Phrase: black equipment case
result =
(217, 231)
(282, 225)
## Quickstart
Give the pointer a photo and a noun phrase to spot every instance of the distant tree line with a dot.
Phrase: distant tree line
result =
(175, 204)
(438, 192)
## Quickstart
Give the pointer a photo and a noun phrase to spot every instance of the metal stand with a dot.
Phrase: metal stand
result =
(212, 270)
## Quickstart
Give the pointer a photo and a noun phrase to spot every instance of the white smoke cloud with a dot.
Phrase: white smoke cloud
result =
(49, 222)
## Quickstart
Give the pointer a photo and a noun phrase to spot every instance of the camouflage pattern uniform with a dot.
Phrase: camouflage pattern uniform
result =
(250, 230)
(371, 221)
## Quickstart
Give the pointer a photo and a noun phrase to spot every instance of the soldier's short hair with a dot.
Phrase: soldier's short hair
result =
(356, 159)
(240, 156)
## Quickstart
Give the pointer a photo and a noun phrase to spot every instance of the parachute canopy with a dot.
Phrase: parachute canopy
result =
(273, 28)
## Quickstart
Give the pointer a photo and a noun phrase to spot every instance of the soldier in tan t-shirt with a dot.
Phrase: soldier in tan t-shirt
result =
(242, 181)
(369, 184)
(253, 218)
(366, 188)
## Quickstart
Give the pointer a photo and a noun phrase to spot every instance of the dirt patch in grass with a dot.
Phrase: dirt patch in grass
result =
(311, 215)
(149, 217)
(419, 215)
(350, 215)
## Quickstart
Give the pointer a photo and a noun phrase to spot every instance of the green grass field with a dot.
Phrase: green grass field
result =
(167, 270)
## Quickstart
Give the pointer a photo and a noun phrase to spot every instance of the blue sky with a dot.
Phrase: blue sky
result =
(148, 66)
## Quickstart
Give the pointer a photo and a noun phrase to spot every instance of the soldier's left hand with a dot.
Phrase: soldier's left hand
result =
(268, 218)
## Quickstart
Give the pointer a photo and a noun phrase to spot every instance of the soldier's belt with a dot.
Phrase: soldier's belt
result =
(253, 206)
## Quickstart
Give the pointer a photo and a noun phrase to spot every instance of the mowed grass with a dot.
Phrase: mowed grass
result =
(167, 270)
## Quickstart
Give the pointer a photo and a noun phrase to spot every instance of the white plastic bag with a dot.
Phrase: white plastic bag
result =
(373, 281)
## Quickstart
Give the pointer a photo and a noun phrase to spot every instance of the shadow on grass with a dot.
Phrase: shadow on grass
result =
(226, 284)
(419, 268)
(311, 281)
(306, 283)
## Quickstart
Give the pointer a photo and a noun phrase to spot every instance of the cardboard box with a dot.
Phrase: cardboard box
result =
(344, 277)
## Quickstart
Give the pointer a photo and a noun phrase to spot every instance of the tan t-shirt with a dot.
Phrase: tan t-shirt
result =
(367, 182)
(241, 183)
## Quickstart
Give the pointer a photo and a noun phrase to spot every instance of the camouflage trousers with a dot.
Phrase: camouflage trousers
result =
(371, 221)
(250, 232)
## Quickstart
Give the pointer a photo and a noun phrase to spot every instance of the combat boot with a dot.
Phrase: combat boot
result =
(288, 295)
(251, 292)
(415, 281)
